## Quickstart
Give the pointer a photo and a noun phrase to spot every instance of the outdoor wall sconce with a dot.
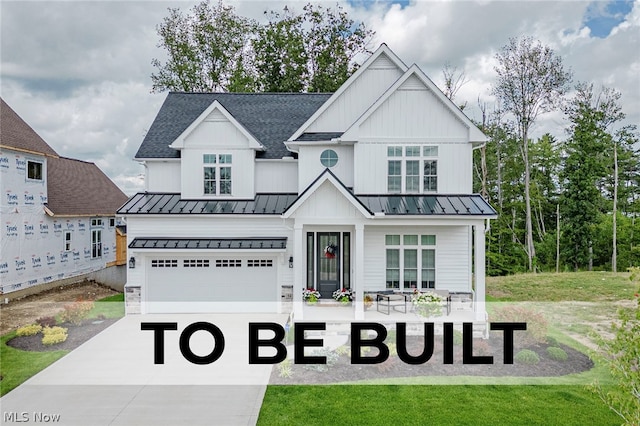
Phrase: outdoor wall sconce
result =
(291, 262)
(132, 262)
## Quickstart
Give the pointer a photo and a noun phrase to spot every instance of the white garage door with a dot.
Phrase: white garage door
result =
(199, 284)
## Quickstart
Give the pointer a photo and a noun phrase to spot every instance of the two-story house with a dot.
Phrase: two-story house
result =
(368, 188)
(57, 214)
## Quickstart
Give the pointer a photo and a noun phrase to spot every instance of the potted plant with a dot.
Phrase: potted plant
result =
(343, 295)
(427, 304)
(310, 296)
(368, 301)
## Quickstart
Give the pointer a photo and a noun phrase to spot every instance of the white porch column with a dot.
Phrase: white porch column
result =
(358, 276)
(298, 271)
(479, 268)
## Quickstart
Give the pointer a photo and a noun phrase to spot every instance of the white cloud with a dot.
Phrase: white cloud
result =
(78, 72)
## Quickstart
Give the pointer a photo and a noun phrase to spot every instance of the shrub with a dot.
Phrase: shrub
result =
(285, 369)
(29, 330)
(557, 353)
(481, 347)
(528, 357)
(537, 325)
(457, 337)
(75, 312)
(552, 341)
(332, 358)
(46, 321)
(53, 335)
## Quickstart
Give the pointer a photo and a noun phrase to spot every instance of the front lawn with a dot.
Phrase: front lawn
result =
(562, 403)
(433, 405)
(17, 366)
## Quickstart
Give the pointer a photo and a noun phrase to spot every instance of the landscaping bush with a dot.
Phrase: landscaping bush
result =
(537, 325)
(29, 330)
(457, 337)
(528, 357)
(75, 312)
(481, 347)
(53, 335)
(285, 369)
(332, 358)
(46, 321)
(552, 341)
(557, 353)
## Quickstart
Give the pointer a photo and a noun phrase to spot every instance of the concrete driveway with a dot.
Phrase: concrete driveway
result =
(112, 379)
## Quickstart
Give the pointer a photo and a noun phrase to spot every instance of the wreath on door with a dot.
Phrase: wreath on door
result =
(330, 251)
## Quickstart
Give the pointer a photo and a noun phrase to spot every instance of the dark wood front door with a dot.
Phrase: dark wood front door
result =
(328, 252)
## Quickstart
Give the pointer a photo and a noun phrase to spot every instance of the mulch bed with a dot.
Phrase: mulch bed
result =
(344, 371)
(76, 335)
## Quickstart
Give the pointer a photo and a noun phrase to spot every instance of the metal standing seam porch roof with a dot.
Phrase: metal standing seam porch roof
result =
(211, 243)
(276, 204)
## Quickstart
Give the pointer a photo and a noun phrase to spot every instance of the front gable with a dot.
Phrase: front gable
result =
(216, 127)
(414, 109)
(356, 94)
(327, 198)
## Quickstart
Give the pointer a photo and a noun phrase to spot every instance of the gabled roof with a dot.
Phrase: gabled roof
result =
(16, 134)
(79, 188)
(327, 176)
(382, 50)
(216, 106)
(475, 135)
(270, 117)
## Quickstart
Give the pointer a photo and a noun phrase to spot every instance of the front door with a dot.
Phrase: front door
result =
(328, 252)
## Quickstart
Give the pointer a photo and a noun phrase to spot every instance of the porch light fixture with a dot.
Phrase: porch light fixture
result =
(132, 262)
(291, 262)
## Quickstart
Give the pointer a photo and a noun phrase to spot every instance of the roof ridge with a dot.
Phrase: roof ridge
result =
(76, 159)
(249, 93)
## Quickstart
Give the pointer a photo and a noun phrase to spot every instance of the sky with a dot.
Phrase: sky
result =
(78, 72)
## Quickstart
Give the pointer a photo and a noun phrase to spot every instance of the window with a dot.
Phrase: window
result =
(96, 222)
(164, 263)
(329, 158)
(410, 259)
(96, 243)
(259, 263)
(217, 174)
(34, 170)
(411, 169)
(67, 240)
(228, 263)
(112, 222)
(195, 263)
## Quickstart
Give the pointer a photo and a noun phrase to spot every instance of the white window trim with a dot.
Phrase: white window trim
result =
(403, 168)
(419, 247)
(217, 165)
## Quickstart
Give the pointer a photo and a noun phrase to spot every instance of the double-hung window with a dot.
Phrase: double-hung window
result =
(410, 261)
(34, 170)
(217, 174)
(412, 169)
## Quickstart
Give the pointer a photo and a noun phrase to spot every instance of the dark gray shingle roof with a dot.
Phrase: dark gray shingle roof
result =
(270, 117)
(320, 136)
(16, 133)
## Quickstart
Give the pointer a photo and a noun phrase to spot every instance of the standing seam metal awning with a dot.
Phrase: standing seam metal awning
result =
(278, 243)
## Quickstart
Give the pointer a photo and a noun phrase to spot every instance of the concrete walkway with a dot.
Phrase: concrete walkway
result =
(112, 379)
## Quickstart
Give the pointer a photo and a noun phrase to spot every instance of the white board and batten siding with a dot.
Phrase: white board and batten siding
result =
(452, 255)
(310, 167)
(454, 167)
(162, 176)
(217, 135)
(327, 205)
(276, 176)
(363, 92)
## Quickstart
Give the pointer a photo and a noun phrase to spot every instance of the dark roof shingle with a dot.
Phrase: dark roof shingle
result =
(17, 134)
(270, 117)
(80, 188)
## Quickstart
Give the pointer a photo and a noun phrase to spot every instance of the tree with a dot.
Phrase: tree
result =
(531, 80)
(204, 48)
(213, 49)
(453, 81)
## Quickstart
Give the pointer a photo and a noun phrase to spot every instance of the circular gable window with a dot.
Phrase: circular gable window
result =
(329, 158)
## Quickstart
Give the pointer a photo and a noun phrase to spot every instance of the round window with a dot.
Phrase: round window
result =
(329, 158)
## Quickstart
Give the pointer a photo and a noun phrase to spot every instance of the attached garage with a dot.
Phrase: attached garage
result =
(203, 281)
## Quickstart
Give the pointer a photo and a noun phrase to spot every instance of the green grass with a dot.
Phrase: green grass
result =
(433, 405)
(567, 286)
(16, 365)
(425, 400)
